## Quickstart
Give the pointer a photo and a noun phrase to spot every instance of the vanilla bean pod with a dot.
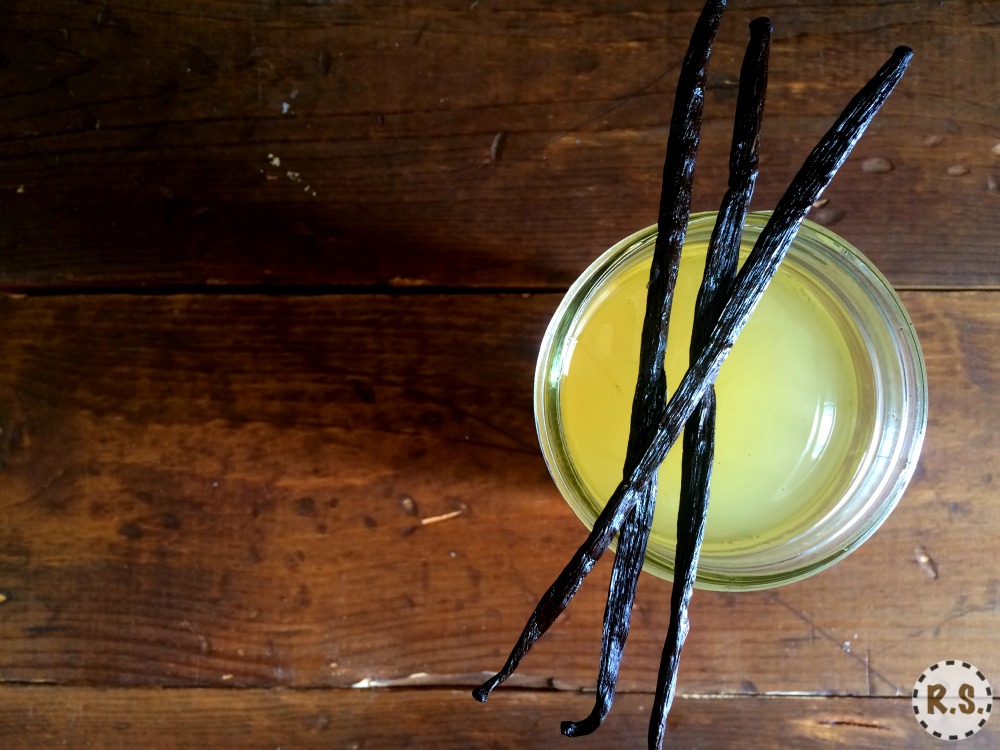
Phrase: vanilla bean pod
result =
(699, 433)
(651, 386)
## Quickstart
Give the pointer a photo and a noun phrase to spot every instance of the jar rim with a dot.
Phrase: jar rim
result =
(902, 394)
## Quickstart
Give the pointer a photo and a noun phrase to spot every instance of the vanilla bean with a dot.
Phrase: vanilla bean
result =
(699, 434)
(651, 387)
(629, 555)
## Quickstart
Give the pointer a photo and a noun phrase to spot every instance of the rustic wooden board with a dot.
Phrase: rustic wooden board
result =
(485, 144)
(209, 491)
(293, 497)
(112, 719)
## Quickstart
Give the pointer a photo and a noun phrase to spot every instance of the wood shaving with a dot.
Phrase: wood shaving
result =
(443, 517)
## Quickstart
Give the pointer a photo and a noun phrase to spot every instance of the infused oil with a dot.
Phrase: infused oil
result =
(795, 404)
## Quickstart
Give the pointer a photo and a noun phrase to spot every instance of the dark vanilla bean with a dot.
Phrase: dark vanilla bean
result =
(699, 433)
(651, 386)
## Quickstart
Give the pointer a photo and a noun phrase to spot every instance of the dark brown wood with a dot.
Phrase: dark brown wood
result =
(275, 143)
(262, 478)
(322, 719)
(229, 491)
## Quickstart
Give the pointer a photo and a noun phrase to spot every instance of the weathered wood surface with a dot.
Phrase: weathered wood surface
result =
(260, 478)
(446, 719)
(219, 490)
(486, 144)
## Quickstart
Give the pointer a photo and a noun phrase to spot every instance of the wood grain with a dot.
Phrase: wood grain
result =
(273, 274)
(230, 491)
(446, 719)
(497, 145)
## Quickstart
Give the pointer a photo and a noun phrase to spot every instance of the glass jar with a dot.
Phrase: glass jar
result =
(798, 489)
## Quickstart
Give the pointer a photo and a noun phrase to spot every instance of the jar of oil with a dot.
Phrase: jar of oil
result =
(821, 405)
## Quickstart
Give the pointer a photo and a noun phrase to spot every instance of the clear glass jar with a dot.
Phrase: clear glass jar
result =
(882, 344)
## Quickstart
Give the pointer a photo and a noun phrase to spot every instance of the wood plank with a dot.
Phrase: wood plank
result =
(141, 142)
(205, 490)
(32, 717)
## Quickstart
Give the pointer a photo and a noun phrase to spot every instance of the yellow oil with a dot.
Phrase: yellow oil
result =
(794, 405)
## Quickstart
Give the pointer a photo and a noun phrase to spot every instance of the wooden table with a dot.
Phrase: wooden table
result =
(274, 277)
